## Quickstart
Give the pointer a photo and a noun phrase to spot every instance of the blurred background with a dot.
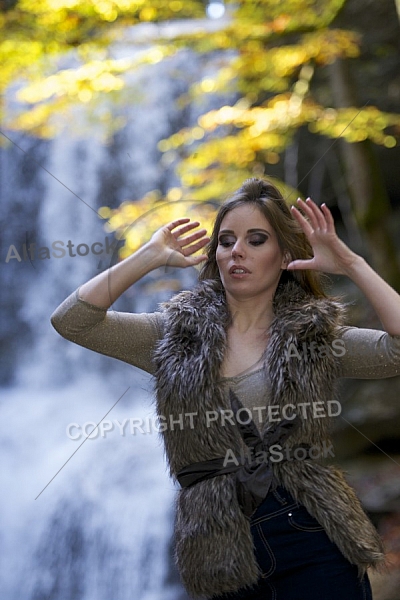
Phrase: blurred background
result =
(117, 117)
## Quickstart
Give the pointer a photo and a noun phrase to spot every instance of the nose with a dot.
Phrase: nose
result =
(237, 249)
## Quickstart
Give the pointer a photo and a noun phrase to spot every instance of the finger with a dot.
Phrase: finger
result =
(185, 229)
(329, 218)
(174, 224)
(305, 225)
(317, 212)
(301, 264)
(311, 210)
(195, 260)
(192, 238)
(192, 249)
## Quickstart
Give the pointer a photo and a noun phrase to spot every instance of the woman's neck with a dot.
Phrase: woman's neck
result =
(250, 314)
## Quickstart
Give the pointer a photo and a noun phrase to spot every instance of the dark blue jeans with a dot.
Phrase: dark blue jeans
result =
(297, 559)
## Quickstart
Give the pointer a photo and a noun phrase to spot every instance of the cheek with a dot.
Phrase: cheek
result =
(272, 259)
(219, 255)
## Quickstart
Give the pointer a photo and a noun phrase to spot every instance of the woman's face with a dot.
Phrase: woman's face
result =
(246, 240)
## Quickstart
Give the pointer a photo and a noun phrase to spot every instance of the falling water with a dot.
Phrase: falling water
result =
(90, 522)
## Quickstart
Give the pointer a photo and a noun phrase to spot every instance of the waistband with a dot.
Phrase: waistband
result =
(253, 478)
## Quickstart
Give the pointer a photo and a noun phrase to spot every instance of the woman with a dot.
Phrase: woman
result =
(245, 366)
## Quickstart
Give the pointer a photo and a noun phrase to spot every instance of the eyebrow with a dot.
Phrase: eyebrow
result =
(248, 231)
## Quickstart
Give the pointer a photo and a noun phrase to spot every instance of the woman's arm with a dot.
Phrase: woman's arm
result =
(83, 317)
(331, 255)
(367, 353)
(384, 299)
(130, 337)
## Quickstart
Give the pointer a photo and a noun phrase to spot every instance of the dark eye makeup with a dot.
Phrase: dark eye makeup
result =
(254, 240)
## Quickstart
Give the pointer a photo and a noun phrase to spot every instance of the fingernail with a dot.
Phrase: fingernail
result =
(308, 199)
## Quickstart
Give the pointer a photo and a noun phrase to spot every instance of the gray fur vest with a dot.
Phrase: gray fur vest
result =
(213, 542)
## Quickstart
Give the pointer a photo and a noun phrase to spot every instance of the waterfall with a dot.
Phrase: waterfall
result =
(96, 521)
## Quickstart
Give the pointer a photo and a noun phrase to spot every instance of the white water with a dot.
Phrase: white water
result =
(102, 528)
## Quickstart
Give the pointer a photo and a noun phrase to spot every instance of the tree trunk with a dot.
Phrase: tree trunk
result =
(398, 7)
(366, 186)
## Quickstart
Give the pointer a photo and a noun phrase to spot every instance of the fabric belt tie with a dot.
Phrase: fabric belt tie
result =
(253, 478)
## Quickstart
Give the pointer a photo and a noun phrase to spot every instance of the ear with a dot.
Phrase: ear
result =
(285, 260)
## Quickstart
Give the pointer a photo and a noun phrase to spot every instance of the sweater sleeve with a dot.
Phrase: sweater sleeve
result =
(130, 337)
(368, 353)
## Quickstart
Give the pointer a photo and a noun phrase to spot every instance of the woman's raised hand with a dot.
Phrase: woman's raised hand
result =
(331, 255)
(175, 251)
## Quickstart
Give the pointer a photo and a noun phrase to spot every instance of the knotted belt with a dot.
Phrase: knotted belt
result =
(253, 478)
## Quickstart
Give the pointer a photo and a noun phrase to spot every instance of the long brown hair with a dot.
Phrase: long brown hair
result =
(291, 238)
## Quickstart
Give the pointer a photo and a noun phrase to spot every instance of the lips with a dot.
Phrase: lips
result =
(241, 267)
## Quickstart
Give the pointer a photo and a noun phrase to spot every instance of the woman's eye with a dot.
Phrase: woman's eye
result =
(257, 241)
(254, 241)
(225, 243)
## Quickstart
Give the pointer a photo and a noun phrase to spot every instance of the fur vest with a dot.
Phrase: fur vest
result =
(213, 542)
